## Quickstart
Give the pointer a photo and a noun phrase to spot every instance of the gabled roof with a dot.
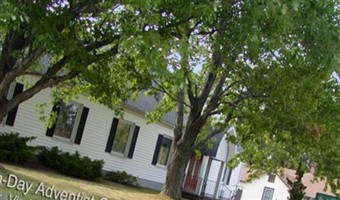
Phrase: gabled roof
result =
(142, 105)
(311, 187)
(244, 176)
(212, 151)
(145, 104)
(206, 151)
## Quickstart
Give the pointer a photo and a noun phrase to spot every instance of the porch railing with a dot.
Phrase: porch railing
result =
(197, 186)
(194, 184)
(225, 192)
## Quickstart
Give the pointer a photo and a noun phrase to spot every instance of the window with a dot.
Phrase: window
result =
(123, 132)
(227, 175)
(162, 151)
(66, 121)
(70, 121)
(267, 193)
(14, 89)
(271, 178)
(122, 137)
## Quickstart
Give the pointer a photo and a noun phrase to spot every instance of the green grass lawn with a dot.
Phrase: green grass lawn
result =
(38, 183)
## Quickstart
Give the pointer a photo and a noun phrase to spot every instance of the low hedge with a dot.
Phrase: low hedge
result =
(121, 177)
(71, 164)
(14, 148)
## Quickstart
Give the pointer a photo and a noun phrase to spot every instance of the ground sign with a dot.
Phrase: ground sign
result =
(325, 197)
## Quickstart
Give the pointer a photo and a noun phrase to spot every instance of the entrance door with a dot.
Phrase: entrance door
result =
(192, 177)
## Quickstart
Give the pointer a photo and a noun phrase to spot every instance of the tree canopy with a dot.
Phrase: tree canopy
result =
(77, 43)
(265, 67)
(262, 66)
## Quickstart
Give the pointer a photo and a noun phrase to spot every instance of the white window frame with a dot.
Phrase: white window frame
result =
(129, 139)
(75, 126)
(169, 154)
(265, 190)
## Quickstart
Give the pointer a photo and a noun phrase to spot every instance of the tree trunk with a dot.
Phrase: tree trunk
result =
(297, 191)
(2, 113)
(176, 172)
(2, 106)
(5, 107)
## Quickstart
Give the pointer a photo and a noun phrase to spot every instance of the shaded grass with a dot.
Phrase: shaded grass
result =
(5, 191)
(99, 189)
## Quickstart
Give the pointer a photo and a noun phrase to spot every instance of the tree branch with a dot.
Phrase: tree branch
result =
(213, 102)
(192, 98)
(203, 143)
(178, 131)
(209, 81)
(160, 88)
(193, 28)
(216, 131)
(19, 69)
(35, 73)
(206, 32)
(13, 41)
(90, 46)
(37, 87)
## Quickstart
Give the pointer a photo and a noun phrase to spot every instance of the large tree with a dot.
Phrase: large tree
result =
(264, 66)
(74, 42)
(252, 63)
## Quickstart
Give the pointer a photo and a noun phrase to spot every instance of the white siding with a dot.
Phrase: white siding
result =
(212, 180)
(95, 137)
(225, 152)
(222, 149)
(235, 177)
(203, 171)
(254, 189)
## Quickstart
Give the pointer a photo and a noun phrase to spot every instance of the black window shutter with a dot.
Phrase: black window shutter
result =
(13, 113)
(158, 147)
(111, 135)
(133, 142)
(229, 176)
(56, 110)
(81, 125)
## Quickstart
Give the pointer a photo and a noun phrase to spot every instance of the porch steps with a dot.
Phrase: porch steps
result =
(191, 196)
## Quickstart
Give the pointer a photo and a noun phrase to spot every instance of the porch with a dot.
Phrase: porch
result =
(207, 176)
(190, 189)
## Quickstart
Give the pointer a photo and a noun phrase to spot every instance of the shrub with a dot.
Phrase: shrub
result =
(14, 148)
(71, 164)
(121, 177)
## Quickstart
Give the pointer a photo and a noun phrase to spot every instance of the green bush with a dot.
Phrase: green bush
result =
(121, 177)
(14, 148)
(71, 164)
